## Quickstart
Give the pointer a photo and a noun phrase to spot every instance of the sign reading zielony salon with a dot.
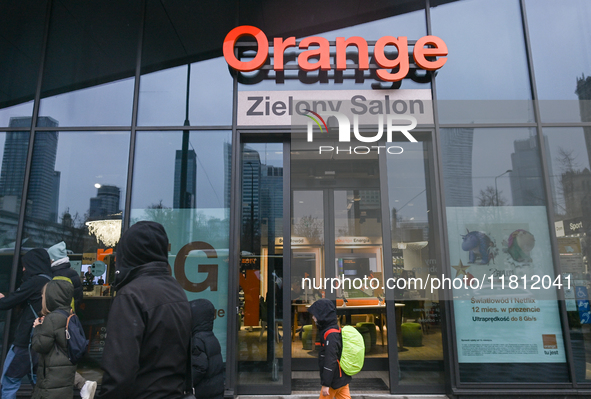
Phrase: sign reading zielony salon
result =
(268, 108)
(424, 57)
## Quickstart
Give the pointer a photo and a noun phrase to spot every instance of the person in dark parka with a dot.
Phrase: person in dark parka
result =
(55, 374)
(149, 328)
(17, 364)
(335, 383)
(207, 361)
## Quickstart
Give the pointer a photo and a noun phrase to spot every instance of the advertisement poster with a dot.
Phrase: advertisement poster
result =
(198, 255)
(508, 311)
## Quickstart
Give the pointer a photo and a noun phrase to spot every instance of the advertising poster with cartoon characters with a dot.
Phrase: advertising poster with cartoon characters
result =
(506, 311)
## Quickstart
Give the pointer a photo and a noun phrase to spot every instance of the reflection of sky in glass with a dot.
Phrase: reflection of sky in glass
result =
(155, 163)
(487, 59)
(163, 95)
(491, 156)
(308, 203)
(109, 104)
(561, 45)
(86, 158)
(406, 182)
(25, 109)
(270, 153)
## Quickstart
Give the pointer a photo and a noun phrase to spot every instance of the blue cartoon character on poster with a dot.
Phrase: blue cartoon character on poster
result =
(520, 244)
(478, 245)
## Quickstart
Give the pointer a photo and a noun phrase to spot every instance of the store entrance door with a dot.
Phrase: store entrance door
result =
(336, 233)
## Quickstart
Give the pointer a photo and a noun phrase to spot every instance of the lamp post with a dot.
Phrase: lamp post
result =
(496, 189)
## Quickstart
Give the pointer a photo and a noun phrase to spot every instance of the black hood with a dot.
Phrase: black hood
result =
(144, 242)
(325, 312)
(202, 315)
(36, 261)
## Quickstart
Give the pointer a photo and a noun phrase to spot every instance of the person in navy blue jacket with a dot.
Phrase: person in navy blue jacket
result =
(37, 273)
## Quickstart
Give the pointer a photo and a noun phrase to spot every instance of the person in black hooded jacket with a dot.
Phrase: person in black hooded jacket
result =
(335, 383)
(37, 273)
(149, 328)
(207, 362)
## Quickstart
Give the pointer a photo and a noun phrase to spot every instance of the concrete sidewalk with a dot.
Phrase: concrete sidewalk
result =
(353, 396)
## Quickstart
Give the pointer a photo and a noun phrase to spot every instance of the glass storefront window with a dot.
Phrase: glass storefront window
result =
(163, 95)
(562, 75)
(261, 332)
(414, 256)
(88, 78)
(569, 151)
(76, 191)
(107, 104)
(485, 79)
(194, 210)
(338, 253)
(12, 174)
(507, 322)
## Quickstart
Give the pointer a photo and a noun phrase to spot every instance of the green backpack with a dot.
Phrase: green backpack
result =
(353, 353)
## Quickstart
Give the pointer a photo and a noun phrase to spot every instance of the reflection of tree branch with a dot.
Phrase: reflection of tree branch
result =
(490, 197)
(309, 227)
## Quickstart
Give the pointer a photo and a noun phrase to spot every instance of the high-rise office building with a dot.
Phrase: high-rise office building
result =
(43, 190)
(271, 197)
(191, 188)
(526, 174)
(106, 202)
(457, 166)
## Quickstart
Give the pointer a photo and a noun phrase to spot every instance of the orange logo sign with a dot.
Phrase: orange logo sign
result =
(423, 56)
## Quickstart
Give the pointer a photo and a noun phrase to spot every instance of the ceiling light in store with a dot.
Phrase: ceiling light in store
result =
(106, 231)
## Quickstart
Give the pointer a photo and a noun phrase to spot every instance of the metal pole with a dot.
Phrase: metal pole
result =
(251, 206)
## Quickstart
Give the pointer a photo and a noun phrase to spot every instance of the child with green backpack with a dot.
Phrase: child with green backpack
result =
(335, 381)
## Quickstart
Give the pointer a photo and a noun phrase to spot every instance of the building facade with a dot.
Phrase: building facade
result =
(456, 245)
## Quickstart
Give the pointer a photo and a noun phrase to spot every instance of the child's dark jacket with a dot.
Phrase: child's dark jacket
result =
(207, 361)
(331, 348)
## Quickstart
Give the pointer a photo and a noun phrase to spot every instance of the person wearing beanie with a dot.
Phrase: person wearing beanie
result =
(60, 266)
(206, 353)
(37, 273)
(149, 328)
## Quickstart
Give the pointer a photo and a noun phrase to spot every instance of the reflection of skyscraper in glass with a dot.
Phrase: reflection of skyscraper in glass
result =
(584, 92)
(227, 175)
(271, 196)
(251, 171)
(43, 191)
(55, 196)
(527, 186)
(191, 179)
(106, 202)
(456, 145)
